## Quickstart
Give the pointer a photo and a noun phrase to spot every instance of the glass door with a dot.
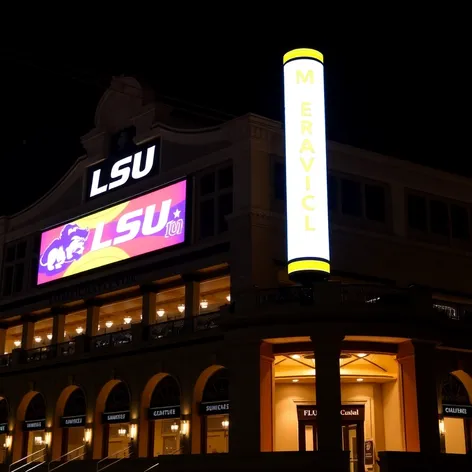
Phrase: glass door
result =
(353, 441)
(307, 436)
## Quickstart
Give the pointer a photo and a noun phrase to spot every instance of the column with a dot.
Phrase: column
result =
(149, 305)
(192, 297)
(250, 393)
(93, 317)
(420, 396)
(3, 339)
(27, 334)
(58, 328)
(327, 348)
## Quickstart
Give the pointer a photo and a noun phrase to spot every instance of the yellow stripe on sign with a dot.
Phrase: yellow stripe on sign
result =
(308, 264)
(303, 52)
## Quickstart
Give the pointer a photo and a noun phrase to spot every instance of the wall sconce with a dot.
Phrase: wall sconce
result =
(109, 324)
(160, 312)
(38, 441)
(204, 304)
(181, 308)
(8, 441)
(127, 319)
(228, 298)
(442, 428)
(49, 336)
(174, 427)
(47, 438)
(225, 424)
(184, 427)
(88, 435)
(38, 339)
(79, 330)
(133, 432)
(122, 432)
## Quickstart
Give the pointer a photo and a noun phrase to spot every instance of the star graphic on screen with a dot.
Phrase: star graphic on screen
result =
(176, 213)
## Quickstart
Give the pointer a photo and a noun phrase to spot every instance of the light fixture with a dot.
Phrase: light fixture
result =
(360, 380)
(8, 441)
(228, 297)
(65, 334)
(181, 308)
(109, 324)
(38, 339)
(79, 330)
(122, 432)
(141, 316)
(295, 356)
(38, 441)
(225, 423)
(98, 328)
(127, 319)
(184, 427)
(160, 312)
(174, 427)
(17, 343)
(49, 336)
(442, 428)
(88, 435)
(47, 438)
(295, 380)
(133, 431)
(204, 304)
(362, 354)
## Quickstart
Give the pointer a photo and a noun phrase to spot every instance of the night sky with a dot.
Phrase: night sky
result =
(401, 97)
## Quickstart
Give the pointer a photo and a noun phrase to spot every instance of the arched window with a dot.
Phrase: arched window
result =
(118, 399)
(36, 409)
(166, 393)
(217, 387)
(34, 427)
(75, 405)
(454, 392)
(73, 424)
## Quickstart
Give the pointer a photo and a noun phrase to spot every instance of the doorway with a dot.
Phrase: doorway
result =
(352, 440)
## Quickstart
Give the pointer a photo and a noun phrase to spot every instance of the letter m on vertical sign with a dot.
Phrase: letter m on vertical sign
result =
(305, 78)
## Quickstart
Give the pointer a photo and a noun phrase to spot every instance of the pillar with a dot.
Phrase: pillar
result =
(149, 305)
(58, 328)
(93, 317)
(27, 334)
(3, 339)
(327, 349)
(250, 392)
(420, 396)
(192, 297)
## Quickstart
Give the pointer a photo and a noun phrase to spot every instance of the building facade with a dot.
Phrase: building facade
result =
(190, 340)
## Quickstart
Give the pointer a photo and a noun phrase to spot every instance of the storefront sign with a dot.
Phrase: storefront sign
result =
(116, 417)
(161, 413)
(214, 408)
(72, 421)
(348, 412)
(111, 173)
(457, 411)
(369, 452)
(3, 428)
(132, 228)
(34, 425)
(305, 165)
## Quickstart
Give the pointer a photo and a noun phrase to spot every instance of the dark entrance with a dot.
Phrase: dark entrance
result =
(73, 425)
(214, 409)
(34, 426)
(164, 418)
(116, 427)
(352, 417)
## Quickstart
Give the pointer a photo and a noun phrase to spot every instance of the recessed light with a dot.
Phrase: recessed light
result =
(295, 380)
(295, 356)
(360, 380)
(362, 354)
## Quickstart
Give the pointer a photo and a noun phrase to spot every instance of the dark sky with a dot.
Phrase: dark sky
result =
(395, 95)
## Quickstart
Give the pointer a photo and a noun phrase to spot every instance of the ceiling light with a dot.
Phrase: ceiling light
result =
(127, 319)
(360, 380)
(38, 339)
(49, 336)
(160, 312)
(295, 380)
(362, 354)
(295, 356)
(181, 308)
(204, 304)
(17, 343)
(109, 324)
(79, 330)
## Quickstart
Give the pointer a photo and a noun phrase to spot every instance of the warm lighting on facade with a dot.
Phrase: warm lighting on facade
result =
(88, 435)
(8, 441)
(133, 432)
(160, 312)
(109, 324)
(442, 428)
(79, 330)
(360, 380)
(184, 427)
(362, 354)
(204, 304)
(17, 343)
(181, 308)
(122, 432)
(127, 319)
(295, 356)
(47, 438)
(49, 336)
(38, 441)
(295, 380)
(228, 297)
(225, 424)
(38, 339)
(174, 427)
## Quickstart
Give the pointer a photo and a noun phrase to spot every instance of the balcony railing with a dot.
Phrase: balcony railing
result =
(117, 338)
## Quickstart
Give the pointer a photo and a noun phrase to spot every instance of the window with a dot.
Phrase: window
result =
(437, 219)
(14, 268)
(279, 181)
(215, 201)
(364, 204)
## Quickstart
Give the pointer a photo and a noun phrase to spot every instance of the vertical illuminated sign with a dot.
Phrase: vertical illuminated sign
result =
(306, 174)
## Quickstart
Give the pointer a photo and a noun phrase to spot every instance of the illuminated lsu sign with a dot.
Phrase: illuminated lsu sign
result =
(132, 228)
(111, 174)
(306, 174)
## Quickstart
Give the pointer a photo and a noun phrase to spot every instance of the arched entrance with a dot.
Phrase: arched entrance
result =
(4, 413)
(164, 418)
(72, 422)
(214, 411)
(456, 424)
(34, 429)
(116, 422)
